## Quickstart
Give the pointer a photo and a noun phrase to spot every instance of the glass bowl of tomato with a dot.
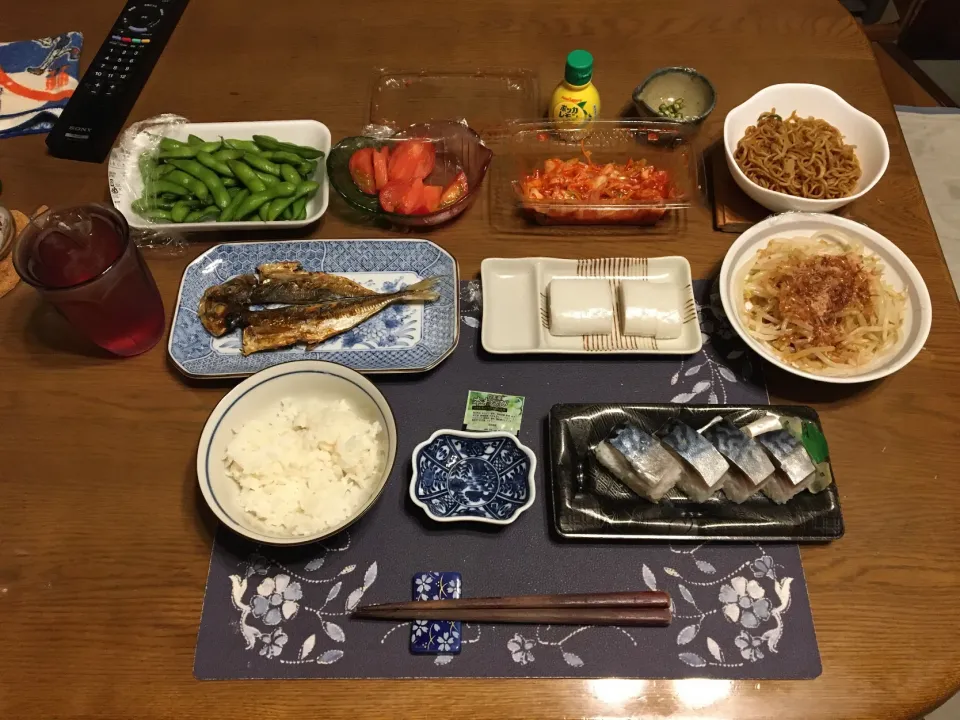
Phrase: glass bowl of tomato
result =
(424, 175)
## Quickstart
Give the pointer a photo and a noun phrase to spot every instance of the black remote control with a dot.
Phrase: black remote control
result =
(99, 106)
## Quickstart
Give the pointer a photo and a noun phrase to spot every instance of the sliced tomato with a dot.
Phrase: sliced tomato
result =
(412, 159)
(392, 194)
(380, 169)
(413, 198)
(361, 170)
(426, 158)
(402, 196)
(431, 198)
(455, 190)
(403, 162)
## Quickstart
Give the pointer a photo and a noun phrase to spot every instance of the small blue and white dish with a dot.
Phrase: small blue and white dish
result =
(401, 338)
(461, 476)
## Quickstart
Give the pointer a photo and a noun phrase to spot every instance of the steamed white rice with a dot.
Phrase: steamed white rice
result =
(306, 465)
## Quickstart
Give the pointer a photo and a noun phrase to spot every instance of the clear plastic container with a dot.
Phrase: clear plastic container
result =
(526, 146)
(486, 99)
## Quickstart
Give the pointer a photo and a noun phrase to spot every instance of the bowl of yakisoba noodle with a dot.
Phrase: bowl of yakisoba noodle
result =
(803, 147)
(825, 298)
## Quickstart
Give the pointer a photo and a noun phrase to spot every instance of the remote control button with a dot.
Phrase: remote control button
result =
(140, 18)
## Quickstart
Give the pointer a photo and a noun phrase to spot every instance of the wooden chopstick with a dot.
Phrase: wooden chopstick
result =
(636, 617)
(618, 608)
(645, 599)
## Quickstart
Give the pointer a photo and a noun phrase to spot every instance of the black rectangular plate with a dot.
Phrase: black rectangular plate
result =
(589, 503)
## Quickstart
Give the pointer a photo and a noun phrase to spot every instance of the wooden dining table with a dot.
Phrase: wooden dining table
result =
(105, 543)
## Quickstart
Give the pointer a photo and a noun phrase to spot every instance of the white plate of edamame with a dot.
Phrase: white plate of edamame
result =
(196, 177)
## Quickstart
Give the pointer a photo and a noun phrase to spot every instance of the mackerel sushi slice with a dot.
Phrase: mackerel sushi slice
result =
(704, 466)
(751, 466)
(780, 489)
(795, 470)
(744, 452)
(639, 461)
(788, 453)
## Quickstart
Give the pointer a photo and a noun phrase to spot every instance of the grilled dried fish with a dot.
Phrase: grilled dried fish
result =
(222, 301)
(313, 324)
(279, 282)
(288, 282)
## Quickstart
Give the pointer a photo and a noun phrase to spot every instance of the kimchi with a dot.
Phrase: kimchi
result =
(583, 191)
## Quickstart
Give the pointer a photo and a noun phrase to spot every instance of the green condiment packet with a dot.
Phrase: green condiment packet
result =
(493, 411)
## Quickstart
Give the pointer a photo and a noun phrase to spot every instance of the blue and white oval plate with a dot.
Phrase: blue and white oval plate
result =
(401, 338)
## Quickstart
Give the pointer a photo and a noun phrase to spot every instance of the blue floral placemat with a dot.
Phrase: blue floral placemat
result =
(741, 610)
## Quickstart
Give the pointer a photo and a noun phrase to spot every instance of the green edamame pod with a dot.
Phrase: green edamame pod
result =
(289, 173)
(180, 211)
(232, 192)
(181, 153)
(282, 156)
(300, 209)
(271, 143)
(211, 146)
(251, 204)
(266, 142)
(262, 212)
(304, 151)
(245, 174)
(147, 164)
(278, 206)
(211, 212)
(307, 188)
(170, 144)
(225, 154)
(166, 187)
(307, 168)
(288, 213)
(143, 204)
(208, 177)
(283, 189)
(193, 216)
(230, 210)
(158, 215)
(165, 169)
(189, 182)
(243, 145)
(229, 182)
(205, 158)
(259, 162)
(268, 180)
(194, 140)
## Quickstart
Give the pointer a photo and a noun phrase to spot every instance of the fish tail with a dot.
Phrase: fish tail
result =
(422, 290)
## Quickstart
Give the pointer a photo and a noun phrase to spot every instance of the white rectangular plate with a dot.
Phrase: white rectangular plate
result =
(515, 305)
(126, 185)
(401, 338)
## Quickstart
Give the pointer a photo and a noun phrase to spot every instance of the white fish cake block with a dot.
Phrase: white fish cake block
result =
(580, 306)
(650, 309)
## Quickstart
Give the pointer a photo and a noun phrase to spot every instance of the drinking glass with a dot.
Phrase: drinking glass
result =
(83, 261)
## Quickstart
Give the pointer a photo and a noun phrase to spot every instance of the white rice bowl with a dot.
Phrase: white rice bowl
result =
(305, 466)
(297, 452)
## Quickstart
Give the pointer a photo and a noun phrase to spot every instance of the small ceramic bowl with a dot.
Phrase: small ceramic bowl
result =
(482, 477)
(670, 83)
(301, 379)
(458, 148)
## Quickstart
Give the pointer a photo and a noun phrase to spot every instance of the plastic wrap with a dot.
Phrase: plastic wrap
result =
(123, 174)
